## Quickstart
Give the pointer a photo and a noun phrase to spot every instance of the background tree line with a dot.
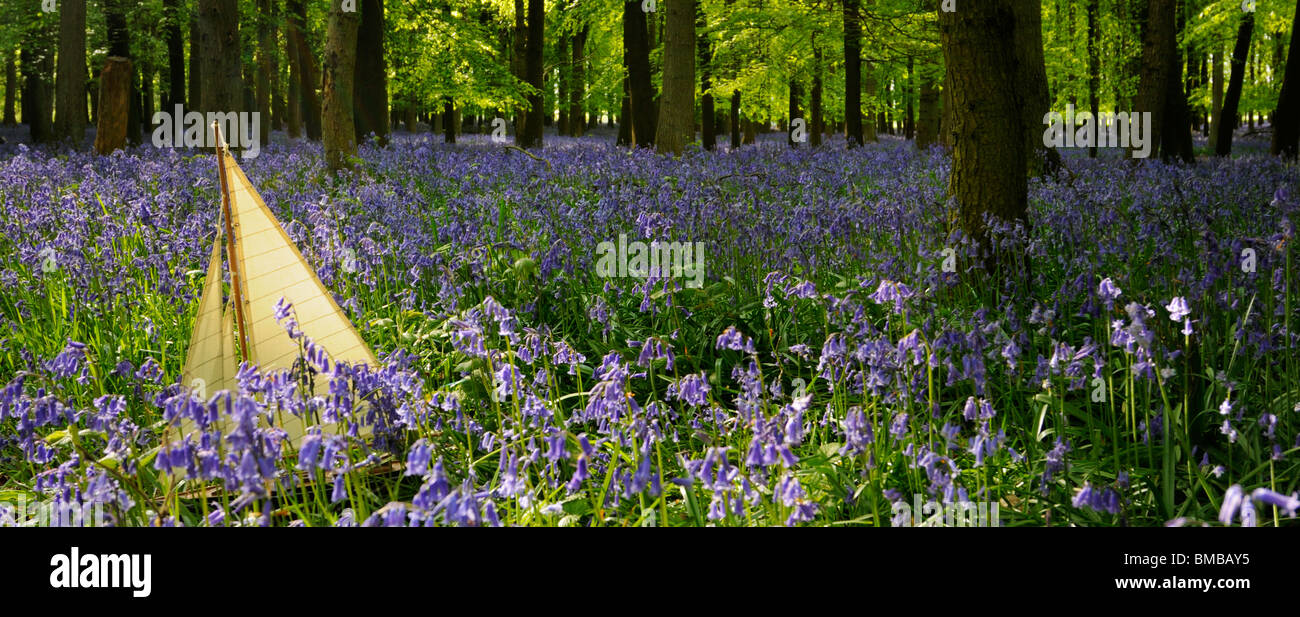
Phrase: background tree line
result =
(668, 73)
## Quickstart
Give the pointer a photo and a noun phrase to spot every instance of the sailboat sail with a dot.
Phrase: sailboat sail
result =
(206, 367)
(265, 267)
(270, 267)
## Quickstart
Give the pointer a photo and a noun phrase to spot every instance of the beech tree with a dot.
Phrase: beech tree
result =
(636, 50)
(676, 126)
(1232, 98)
(372, 71)
(336, 87)
(220, 60)
(531, 136)
(70, 85)
(989, 165)
(1286, 118)
(852, 74)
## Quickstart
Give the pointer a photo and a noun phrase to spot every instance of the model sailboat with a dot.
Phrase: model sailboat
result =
(264, 266)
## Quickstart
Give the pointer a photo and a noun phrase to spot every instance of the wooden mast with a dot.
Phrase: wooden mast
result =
(233, 263)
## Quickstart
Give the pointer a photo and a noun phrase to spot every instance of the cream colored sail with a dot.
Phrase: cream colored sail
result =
(270, 267)
(210, 364)
(266, 266)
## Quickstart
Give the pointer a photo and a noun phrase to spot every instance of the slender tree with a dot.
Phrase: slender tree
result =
(796, 113)
(578, 84)
(173, 17)
(636, 51)
(293, 98)
(565, 70)
(852, 73)
(1240, 51)
(519, 60)
(1031, 82)
(1286, 118)
(1176, 130)
(676, 126)
(195, 78)
(265, 62)
(927, 122)
(70, 84)
(909, 126)
(531, 137)
(708, 126)
(372, 71)
(735, 119)
(11, 87)
(37, 60)
(336, 87)
(1094, 65)
(308, 70)
(815, 121)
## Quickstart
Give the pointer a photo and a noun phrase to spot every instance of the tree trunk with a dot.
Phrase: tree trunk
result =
(927, 125)
(708, 121)
(1094, 66)
(1286, 118)
(220, 64)
(371, 74)
(1176, 131)
(519, 62)
(1031, 81)
(11, 88)
(336, 86)
(278, 110)
(1223, 129)
(147, 79)
(70, 87)
(119, 44)
(578, 85)
(735, 119)
(796, 97)
(562, 101)
(989, 159)
(1216, 96)
(448, 120)
(625, 114)
(677, 104)
(853, 74)
(909, 125)
(38, 96)
(636, 52)
(265, 52)
(815, 101)
(195, 99)
(114, 105)
(293, 101)
(308, 77)
(173, 16)
(531, 137)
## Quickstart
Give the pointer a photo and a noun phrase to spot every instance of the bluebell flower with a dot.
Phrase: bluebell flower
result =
(1177, 308)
